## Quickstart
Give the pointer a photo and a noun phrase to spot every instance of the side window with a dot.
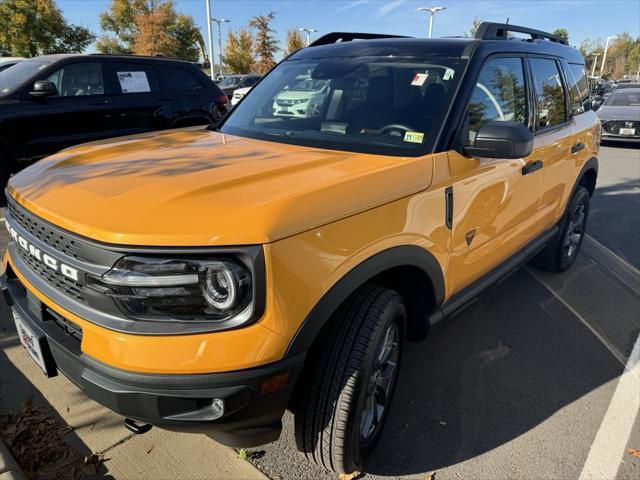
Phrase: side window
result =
(498, 95)
(549, 92)
(178, 79)
(135, 77)
(78, 79)
(579, 87)
(249, 82)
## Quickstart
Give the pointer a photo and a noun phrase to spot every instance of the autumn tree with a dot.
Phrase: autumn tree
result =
(37, 27)
(149, 27)
(294, 41)
(562, 33)
(266, 45)
(239, 55)
(474, 28)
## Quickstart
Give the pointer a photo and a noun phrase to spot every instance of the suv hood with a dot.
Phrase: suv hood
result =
(196, 187)
(606, 112)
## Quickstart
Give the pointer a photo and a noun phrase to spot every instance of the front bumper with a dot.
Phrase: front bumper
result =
(619, 138)
(173, 402)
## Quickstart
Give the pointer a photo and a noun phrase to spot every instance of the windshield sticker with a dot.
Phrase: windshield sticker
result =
(419, 79)
(133, 82)
(448, 74)
(413, 137)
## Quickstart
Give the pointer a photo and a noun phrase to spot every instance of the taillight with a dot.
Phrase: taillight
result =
(222, 99)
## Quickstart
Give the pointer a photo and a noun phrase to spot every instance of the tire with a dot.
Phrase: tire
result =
(332, 413)
(561, 252)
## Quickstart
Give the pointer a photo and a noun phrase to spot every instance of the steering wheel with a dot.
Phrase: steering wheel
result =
(395, 127)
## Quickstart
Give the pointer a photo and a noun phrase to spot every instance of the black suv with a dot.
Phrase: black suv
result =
(52, 102)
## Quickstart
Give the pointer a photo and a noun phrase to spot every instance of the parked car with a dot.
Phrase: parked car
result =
(232, 82)
(620, 115)
(206, 279)
(238, 94)
(53, 102)
(6, 62)
(302, 99)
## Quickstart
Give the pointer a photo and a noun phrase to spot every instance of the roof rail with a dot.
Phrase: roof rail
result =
(335, 37)
(500, 31)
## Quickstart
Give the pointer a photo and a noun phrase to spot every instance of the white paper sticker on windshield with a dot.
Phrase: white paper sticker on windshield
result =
(133, 82)
(419, 79)
(448, 73)
(413, 137)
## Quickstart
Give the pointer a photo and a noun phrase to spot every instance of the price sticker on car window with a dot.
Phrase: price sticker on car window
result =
(413, 137)
(419, 79)
(133, 82)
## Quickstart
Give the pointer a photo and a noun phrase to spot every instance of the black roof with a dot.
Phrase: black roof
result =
(63, 56)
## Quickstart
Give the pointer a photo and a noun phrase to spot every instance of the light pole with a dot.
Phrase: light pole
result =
(220, 21)
(432, 11)
(595, 61)
(604, 57)
(308, 31)
(208, 5)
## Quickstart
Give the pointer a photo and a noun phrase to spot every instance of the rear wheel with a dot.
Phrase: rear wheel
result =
(341, 414)
(562, 251)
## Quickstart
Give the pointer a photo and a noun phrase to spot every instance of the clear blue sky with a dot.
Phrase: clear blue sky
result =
(582, 18)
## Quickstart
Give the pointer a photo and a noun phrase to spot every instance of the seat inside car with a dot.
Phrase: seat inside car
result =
(378, 108)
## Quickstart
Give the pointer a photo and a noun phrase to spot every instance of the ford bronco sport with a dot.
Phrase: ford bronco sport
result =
(206, 279)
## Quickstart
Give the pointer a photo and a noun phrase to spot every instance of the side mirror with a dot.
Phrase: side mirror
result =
(43, 88)
(501, 140)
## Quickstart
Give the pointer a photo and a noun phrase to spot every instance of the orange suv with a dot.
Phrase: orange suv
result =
(206, 279)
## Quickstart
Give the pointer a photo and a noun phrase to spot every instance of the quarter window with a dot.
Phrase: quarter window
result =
(178, 79)
(78, 79)
(499, 95)
(578, 88)
(549, 91)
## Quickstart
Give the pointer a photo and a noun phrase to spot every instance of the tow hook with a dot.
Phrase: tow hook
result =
(135, 427)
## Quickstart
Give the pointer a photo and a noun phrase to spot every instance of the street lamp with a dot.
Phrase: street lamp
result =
(308, 31)
(220, 21)
(595, 62)
(432, 11)
(208, 6)
(604, 57)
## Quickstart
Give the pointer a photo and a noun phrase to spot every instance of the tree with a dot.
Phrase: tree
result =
(36, 27)
(294, 41)
(149, 27)
(239, 55)
(562, 33)
(474, 28)
(266, 44)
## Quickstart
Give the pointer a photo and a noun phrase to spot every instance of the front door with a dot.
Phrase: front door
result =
(495, 199)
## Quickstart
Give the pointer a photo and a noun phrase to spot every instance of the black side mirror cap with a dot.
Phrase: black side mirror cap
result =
(43, 88)
(501, 140)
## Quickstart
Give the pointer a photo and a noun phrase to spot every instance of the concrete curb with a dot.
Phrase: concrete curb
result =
(9, 468)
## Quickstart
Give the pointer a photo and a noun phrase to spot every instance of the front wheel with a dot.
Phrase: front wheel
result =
(562, 250)
(340, 417)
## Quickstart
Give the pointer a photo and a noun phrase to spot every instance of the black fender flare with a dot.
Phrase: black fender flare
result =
(400, 256)
(591, 164)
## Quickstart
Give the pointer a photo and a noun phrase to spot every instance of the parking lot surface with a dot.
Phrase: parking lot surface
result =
(522, 384)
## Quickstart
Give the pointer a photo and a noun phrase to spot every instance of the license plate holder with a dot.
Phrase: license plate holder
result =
(36, 345)
(627, 131)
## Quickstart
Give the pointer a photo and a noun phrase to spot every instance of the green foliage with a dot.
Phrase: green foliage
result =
(562, 33)
(239, 56)
(266, 45)
(36, 27)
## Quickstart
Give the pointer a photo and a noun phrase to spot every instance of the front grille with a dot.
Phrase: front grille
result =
(614, 126)
(43, 232)
(60, 282)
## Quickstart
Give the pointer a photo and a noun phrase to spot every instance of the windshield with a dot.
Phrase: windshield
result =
(387, 105)
(624, 98)
(13, 77)
(229, 82)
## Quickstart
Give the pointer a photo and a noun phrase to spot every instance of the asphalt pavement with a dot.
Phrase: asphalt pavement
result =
(523, 384)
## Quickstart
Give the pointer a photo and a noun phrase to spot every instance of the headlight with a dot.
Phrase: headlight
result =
(182, 289)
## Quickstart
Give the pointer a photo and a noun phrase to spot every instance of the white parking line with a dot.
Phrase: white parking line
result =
(613, 435)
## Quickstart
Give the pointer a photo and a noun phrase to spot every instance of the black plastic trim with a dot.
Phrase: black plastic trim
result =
(406, 255)
(448, 199)
(335, 37)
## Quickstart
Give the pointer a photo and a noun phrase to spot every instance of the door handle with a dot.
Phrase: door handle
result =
(577, 147)
(532, 167)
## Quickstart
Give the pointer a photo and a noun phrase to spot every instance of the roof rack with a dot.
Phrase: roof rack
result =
(335, 37)
(500, 31)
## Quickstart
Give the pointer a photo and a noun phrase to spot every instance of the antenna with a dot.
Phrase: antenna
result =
(507, 22)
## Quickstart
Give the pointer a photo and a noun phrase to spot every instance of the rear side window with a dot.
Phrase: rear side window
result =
(499, 95)
(178, 79)
(250, 82)
(78, 79)
(578, 88)
(135, 77)
(549, 92)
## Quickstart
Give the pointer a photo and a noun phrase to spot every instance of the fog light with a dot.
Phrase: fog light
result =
(217, 408)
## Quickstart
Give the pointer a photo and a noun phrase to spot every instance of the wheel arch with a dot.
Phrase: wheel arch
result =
(588, 176)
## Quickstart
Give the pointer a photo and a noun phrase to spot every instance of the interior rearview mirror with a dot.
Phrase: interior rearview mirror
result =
(43, 88)
(501, 140)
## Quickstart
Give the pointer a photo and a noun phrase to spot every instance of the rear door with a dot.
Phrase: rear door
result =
(82, 110)
(141, 105)
(195, 102)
